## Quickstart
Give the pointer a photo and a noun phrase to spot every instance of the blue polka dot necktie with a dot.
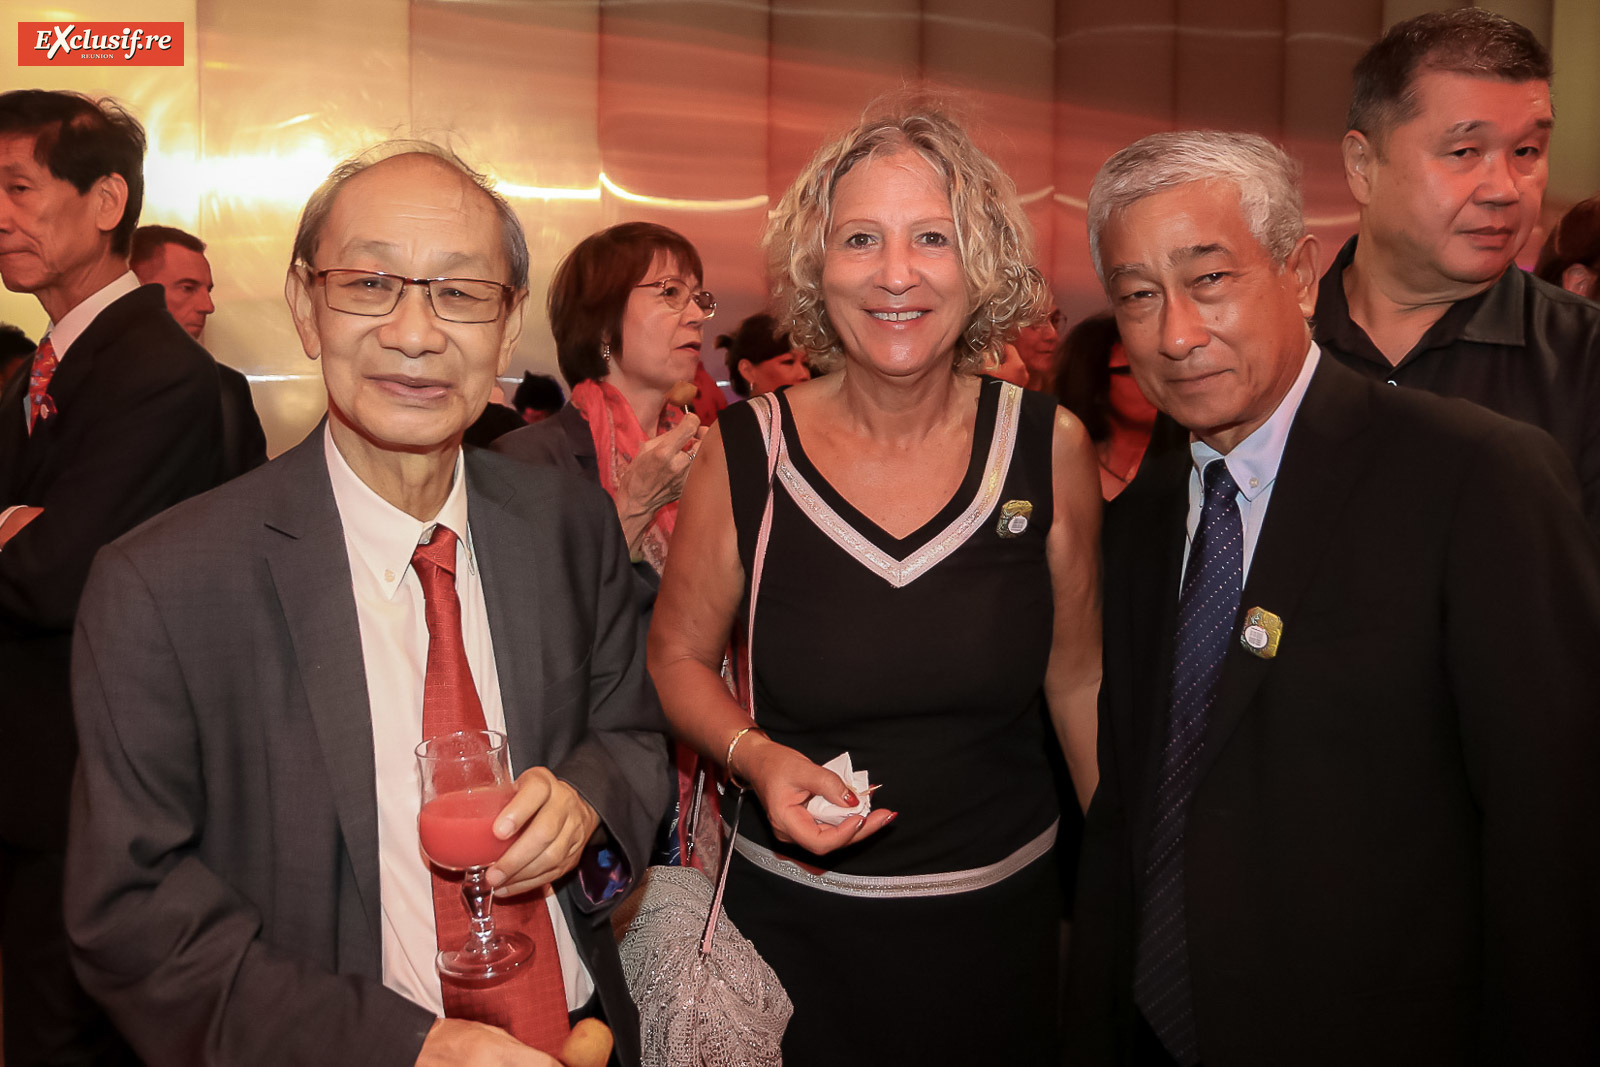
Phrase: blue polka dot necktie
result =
(1207, 608)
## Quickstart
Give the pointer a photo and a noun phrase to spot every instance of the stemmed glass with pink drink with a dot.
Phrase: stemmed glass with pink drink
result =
(466, 782)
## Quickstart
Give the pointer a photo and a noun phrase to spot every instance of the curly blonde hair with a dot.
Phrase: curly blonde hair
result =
(1005, 292)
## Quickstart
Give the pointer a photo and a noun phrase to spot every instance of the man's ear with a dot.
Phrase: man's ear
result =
(1302, 264)
(110, 195)
(302, 308)
(1360, 154)
(515, 315)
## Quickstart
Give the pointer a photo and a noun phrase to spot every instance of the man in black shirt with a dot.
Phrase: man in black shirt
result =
(1450, 123)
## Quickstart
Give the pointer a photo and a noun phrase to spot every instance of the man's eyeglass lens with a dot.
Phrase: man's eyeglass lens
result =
(677, 295)
(371, 292)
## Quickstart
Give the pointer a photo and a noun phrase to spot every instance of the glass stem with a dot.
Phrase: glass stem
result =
(479, 897)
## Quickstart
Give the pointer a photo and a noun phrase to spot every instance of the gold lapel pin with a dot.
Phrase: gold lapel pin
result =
(1014, 515)
(1262, 632)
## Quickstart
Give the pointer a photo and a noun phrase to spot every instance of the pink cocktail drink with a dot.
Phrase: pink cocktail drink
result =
(457, 829)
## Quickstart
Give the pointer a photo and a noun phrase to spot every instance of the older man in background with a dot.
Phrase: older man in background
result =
(1447, 156)
(114, 419)
(176, 261)
(254, 671)
(1347, 733)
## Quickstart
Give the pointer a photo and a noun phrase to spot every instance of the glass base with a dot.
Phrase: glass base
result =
(475, 963)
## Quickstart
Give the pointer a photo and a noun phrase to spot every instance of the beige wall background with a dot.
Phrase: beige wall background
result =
(698, 113)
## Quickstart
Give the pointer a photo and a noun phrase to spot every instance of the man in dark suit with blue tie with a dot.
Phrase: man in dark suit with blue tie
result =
(1346, 807)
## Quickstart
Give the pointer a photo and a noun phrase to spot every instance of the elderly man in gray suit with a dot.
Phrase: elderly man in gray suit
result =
(253, 671)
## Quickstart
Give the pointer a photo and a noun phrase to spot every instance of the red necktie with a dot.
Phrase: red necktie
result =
(41, 405)
(532, 1003)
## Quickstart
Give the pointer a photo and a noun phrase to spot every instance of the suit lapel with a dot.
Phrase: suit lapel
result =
(1323, 459)
(311, 572)
(504, 547)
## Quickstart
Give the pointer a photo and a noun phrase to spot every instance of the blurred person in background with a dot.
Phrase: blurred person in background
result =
(1036, 345)
(538, 397)
(176, 261)
(1092, 380)
(116, 419)
(1570, 257)
(761, 357)
(911, 497)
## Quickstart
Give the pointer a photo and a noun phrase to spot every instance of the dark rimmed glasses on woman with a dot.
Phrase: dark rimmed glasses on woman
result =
(376, 292)
(677, 295)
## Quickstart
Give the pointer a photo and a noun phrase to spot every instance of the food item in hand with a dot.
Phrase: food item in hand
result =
(682, 394)
(589, 1044)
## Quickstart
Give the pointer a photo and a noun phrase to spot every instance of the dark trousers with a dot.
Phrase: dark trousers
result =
(48, 1017)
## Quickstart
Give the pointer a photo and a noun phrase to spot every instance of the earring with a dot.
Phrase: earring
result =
(605, 353)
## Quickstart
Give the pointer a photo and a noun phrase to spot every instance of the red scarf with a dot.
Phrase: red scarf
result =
(617, 440)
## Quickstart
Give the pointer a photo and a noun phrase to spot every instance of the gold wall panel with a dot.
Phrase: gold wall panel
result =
(698, 114)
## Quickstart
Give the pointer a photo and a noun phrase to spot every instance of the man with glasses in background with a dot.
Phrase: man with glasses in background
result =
(254, 673)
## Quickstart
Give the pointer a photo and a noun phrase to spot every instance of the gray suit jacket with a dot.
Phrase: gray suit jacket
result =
(223, 858)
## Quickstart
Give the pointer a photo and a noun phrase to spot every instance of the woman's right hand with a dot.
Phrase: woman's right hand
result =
(655, 477)
(785, 780)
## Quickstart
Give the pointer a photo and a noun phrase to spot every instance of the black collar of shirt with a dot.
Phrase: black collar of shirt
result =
(1492, 317)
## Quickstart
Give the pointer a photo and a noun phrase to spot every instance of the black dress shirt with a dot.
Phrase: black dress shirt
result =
(1522, 347)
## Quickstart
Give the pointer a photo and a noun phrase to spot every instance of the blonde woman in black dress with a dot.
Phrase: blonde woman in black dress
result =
(930, 579)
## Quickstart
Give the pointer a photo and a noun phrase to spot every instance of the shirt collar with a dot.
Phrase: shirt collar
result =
(1253, 463)
(1492, 317)
(383, 536)
(74, 322)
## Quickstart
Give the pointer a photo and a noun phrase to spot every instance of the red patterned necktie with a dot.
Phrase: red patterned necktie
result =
(532, 1003)
(41, 405)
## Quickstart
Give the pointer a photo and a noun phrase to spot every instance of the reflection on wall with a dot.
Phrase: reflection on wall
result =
(692, 114)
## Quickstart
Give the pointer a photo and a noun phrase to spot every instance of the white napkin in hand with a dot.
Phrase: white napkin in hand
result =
(824, 811)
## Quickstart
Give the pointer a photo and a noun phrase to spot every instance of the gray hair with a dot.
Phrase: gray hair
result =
(1267, 180)
(318, 208)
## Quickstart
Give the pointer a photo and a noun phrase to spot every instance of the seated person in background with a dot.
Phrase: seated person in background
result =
(16, 352)
(176, 261)
(1570, 257)
(627, 312)
(538, 397)
(1093, 382)
(761, 358)
(254, 671)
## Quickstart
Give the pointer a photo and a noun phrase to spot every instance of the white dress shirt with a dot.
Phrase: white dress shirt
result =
(1253, 463)
(380, 539)
(68, 330)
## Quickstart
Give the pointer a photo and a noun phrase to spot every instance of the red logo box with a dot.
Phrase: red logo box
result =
(100, 44)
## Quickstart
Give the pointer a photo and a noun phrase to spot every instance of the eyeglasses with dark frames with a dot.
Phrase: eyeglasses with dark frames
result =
(375, 292)
(677, 295)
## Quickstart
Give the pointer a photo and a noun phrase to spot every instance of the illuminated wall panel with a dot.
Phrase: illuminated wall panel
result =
(698, 114)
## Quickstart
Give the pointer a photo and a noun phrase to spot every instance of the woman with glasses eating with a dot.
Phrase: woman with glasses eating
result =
(627, 312)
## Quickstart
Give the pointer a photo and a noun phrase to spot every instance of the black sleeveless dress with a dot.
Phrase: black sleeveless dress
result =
(924, 657)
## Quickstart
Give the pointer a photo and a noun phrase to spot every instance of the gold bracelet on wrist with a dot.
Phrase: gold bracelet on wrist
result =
(727, 761)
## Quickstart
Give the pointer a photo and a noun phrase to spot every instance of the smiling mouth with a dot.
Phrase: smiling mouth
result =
(897, 316)
(419, 388)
